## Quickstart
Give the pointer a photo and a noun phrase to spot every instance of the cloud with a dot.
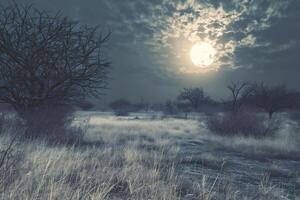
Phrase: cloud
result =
(160, 26)
(152, 38)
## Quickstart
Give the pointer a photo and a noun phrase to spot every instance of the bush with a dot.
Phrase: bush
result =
(121, 107)
(242, 123)
(50, 123)
(53, 123)
(47, 120)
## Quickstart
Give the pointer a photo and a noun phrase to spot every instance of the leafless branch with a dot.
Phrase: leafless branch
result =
(47, 58)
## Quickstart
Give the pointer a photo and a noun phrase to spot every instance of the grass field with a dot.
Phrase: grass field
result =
(152, 158)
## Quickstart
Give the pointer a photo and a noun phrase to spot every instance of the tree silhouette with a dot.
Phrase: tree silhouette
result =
(239, 94)
(272, 99)
(48, 59)
(194, 97)
(121, 107)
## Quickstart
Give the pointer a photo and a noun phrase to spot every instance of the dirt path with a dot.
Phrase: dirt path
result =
(204, 157)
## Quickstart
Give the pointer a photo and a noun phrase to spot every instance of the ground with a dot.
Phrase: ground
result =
(148, 156)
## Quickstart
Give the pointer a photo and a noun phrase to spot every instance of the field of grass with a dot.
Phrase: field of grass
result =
(151, 158)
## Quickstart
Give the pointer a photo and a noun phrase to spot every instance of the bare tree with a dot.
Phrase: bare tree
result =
(272, 99)
(48, 59)
(194, 97)
(239, 93)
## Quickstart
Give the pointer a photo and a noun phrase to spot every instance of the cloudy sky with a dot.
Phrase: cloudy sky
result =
(255, 40)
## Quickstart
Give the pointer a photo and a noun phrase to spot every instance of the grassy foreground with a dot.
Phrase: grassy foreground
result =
(131, 159)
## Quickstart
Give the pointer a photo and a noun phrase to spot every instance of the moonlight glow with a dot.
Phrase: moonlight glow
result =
(202, 54)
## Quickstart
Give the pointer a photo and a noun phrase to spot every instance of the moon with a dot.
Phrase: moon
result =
(202, 54)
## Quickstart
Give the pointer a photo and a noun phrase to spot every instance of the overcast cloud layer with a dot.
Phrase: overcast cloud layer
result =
(255, 40)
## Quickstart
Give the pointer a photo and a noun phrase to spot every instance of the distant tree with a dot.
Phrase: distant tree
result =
(121, 107)
(272, 99)
(194, 97)
(47, 60)
(185, 107)
(170, 107)
(239, 94)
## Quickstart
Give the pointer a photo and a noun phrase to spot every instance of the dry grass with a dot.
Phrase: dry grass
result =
(122, 159)
(284, 143)
(48, 172)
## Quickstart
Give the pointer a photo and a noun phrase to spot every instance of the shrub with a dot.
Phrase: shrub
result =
(50, 123)
(53, 123)
(121, 107)
(242, 123)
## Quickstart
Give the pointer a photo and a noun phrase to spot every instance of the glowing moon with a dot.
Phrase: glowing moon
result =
(202, 54)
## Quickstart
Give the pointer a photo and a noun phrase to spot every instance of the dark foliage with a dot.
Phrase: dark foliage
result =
(121, 107)
(272, 99)
(243, 123)
(239, 94)
(48, 120)
(53, 123)
(195, 97)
